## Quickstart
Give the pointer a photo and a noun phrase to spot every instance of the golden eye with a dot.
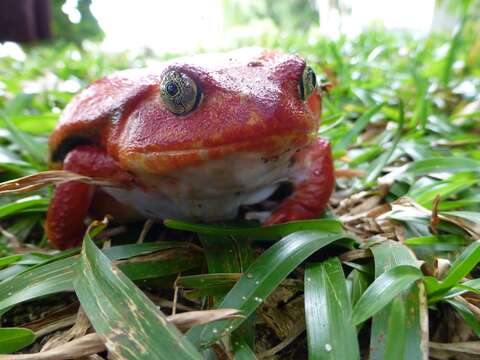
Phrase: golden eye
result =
(179, 92)
(308, 82)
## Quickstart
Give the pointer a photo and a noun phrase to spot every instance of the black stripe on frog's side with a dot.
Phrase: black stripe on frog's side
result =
(67, 145)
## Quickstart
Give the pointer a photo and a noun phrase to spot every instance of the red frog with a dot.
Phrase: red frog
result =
(194, 139)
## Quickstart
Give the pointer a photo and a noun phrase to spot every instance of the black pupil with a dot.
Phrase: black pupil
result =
(172, 88)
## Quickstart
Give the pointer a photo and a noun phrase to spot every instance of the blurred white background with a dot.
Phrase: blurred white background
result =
(187, 25)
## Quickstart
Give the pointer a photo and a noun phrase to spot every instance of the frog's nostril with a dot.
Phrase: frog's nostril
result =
(255, 63)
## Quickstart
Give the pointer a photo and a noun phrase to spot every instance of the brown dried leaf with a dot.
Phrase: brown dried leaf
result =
(348, 173)
(187, 320)
(416, 210)
(458, 350)
(84, 346)
(79, 329)
(435, 220)
(93, 343)
(47, 178)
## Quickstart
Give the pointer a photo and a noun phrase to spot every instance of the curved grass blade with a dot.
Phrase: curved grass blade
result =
(49, 279)
(34, 150)
(31, 203)
(443, 164)
(8, 260)
(357, 128)
(258, 233)
(461, 267)
(385, 337)
(455, 45)
(14, 339)
(328, 313)
(133, 326)
(464, 287)
(261, 278)
(383, 290)
(357, 283)
(57, 276)
(377, 166)
(397, 322)
(437, 239)
(35, 124)
(457, 183)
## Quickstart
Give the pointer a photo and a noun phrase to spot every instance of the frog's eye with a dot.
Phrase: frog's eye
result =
(308, 83)
(179, 92)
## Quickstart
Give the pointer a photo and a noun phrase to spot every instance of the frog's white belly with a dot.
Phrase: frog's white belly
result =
(208, 192)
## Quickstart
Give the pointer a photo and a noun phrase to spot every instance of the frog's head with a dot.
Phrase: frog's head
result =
(195, 109)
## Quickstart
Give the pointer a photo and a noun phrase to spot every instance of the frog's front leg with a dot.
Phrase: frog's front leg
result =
(313, 183)
(65, 224)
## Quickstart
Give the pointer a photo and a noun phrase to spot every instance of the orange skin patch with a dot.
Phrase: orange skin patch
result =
(250, 103)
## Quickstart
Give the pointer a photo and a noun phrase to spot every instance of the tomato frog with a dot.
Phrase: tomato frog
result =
(194, 139)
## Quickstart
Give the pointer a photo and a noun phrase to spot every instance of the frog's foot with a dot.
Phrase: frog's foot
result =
(65, 225)
(313, 180)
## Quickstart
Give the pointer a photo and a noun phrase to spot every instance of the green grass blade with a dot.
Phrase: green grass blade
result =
(207, 280)
(35, 203)
(262, 277)
(113, 303)
(14, 339)
(257, 233)
(57, 276)
(461, 267)
(357, 128)
(394, 347)
(207, 284)
(228, 255)
(357, 283)
(7, 260)
(35, 124)
(328, 313)
(35, 151)
(443, 164)
(376, 169)
(225, 254)
(385, 336)
(455, 45)
(438, 239)
(425, 195)
(462, 288)
(383, 290)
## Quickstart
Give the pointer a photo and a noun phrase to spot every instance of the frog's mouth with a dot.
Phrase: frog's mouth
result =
(158, 162)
